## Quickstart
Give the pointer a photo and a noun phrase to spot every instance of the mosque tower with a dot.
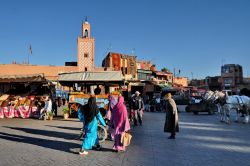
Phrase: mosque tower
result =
(86, 49)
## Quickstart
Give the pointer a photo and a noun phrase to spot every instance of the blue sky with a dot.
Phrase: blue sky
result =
(195, 36)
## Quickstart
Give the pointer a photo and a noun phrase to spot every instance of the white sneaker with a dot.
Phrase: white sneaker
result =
(83, 152)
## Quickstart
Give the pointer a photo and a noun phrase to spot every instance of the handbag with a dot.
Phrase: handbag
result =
(126, 138)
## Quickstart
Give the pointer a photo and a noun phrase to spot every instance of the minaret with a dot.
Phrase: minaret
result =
(86, 49)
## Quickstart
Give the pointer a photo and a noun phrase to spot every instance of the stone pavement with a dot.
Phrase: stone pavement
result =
(202, 141)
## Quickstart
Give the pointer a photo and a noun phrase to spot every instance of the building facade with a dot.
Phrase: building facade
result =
(213, 83)
(121, 62)
(143, 65)
(163, 77)
(180, 81)
(231, 76)
(144, 75)
(199, 83)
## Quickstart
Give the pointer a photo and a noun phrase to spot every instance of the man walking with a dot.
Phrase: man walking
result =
(171, 122)
(137, 107)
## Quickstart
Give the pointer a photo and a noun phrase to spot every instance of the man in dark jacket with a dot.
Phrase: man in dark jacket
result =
(137, 107)
(171, 122)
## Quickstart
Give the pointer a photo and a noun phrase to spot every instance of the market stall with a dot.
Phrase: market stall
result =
(85, 84)
(23, 95)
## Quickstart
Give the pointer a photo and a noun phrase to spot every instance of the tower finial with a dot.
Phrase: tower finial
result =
(86, 19)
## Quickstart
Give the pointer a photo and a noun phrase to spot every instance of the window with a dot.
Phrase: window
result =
(225, 69)
(228, 81)
(86, 33)
(122, 71)
(86, 69)
(86, 55)
(231, 70)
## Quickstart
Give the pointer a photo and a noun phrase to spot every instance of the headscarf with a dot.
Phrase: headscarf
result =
(111, 105)
(112, 102)
(120, 116)
(90, 110)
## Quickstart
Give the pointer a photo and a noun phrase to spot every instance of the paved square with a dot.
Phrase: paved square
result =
(202, 141)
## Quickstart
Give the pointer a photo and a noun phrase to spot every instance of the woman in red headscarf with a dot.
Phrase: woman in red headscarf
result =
(121, 123)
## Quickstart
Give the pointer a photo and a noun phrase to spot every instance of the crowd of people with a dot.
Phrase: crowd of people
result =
(153, 104)
(120, 118)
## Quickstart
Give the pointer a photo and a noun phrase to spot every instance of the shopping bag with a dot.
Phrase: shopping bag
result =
(126, 138)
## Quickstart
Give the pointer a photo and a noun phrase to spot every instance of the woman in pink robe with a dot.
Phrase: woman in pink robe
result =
(121, 123)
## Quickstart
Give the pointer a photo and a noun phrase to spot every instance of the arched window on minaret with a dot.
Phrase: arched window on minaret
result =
(86, 33)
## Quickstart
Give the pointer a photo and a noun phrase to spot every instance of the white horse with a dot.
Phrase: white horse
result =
(208, 95)
(241, 104)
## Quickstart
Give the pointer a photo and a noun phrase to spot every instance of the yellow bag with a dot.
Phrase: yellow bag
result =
(125, 138)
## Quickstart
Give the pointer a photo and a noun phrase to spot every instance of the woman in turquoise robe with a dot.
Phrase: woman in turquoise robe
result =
(89, 114)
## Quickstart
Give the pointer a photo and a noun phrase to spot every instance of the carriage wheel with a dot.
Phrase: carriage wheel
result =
(102, 133)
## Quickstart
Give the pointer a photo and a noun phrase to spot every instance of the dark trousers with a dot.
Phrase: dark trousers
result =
(173, 133)
(138, 117)
(54, 109)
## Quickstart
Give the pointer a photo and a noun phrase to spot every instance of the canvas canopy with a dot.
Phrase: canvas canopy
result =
(22, 78)
(106, 76)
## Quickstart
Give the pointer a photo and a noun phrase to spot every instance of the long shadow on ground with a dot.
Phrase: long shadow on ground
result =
(64, 127)
(47, 133)
(50, 144)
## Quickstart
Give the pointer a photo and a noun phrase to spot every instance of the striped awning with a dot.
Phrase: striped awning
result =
(105, 76)
(22, 78)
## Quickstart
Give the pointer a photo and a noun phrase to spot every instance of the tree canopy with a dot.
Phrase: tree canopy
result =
(165, 69)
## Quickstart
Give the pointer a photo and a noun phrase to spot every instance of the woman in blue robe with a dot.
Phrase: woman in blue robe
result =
(89, 114)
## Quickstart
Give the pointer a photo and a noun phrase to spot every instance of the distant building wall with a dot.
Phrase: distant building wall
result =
(121, 62)
(231, 76)
(167, 76)
(183, 81)
(144, 74)
(213, 83)
(50, 72)
(144, 65)
(200, 83)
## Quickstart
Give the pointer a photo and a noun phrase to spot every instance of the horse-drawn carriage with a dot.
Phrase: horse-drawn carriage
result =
(197, 104)
(203, 106)
(227, 103)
